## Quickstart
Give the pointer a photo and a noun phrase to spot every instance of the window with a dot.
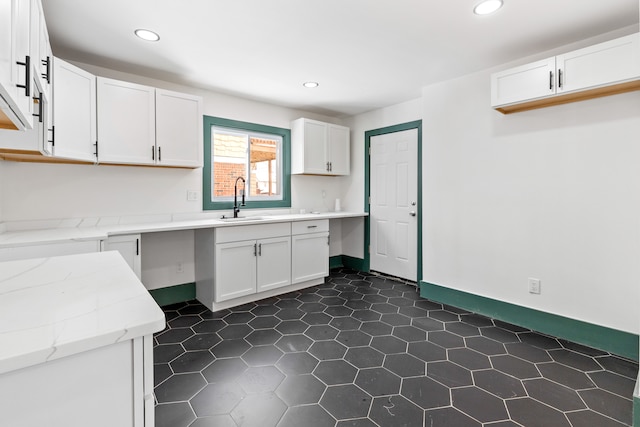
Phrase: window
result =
(257, 153)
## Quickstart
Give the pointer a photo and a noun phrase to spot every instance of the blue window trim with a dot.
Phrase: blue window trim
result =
(207, 202)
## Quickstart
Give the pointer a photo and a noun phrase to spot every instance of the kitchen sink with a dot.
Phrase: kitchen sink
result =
(242, 218)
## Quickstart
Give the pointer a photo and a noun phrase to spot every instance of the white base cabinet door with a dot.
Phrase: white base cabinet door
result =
(235, 270)
(250, 266)
(273, 263)
(129, 247)
(105, 387)
(310, 257)
(309, 250)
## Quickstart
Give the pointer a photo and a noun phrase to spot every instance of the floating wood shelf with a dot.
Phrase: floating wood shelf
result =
(571, 97)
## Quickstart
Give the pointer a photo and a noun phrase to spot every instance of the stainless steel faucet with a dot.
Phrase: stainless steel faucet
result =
(236, 207)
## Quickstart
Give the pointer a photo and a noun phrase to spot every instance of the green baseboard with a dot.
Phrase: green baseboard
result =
(621, 343)
(335, 262)
(174, 294)
(353, 263)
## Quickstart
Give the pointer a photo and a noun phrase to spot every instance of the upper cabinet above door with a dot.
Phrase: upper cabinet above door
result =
(599, 70)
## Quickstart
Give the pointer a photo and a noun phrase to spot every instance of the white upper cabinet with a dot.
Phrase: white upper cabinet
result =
(319, 148)
(338, 149)
(74, 112)
(599, 70)
(127, 126)
(529, 81)
(16, 67)
(179, 129)
(614, 61)
(40, 47)
(142, 125)
(31, 141)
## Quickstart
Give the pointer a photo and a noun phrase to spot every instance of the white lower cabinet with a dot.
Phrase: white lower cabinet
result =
(129, 247)
(310, 250)
(244, 267)
(239, 264)
(105, 387)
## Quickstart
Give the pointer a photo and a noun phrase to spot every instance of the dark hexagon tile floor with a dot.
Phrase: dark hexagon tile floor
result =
(363, 350)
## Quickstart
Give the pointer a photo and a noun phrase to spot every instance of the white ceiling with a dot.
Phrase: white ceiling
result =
(365, 54)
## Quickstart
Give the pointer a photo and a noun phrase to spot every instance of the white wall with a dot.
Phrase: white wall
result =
(552, 194)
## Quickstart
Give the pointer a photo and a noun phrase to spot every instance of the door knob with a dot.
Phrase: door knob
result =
(412, 213)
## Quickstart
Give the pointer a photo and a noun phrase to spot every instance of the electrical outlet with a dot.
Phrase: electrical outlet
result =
(534, 285)
(180, 268)
(192, 196)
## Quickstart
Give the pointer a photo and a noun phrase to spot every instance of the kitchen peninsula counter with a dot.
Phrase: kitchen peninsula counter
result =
(76, 337)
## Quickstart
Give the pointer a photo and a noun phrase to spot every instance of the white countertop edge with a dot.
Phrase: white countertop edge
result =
(18, 238)
(87, 301)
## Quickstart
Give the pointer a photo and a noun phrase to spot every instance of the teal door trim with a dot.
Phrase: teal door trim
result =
(367, 188)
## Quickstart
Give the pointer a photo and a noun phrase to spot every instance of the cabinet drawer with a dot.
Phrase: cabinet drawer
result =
(252, 232)
(315, 226)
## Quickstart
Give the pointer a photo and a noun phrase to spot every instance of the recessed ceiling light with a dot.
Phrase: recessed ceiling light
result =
(147, 35)
(487, 7)
(310, 84)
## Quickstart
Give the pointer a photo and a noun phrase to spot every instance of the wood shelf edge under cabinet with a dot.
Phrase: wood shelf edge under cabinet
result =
(35, 157)
(571, 97)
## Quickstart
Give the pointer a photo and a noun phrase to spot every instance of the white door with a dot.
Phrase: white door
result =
(394, 203)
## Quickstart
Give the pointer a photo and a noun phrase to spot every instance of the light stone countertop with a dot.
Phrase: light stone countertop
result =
(56, 307)
(69, 231)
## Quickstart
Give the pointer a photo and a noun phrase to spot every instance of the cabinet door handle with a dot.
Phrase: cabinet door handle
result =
(159, 154)
(259, 249)
(559, 78)
(329, 240)
(39, 115)
(53, 136)
(153, 153)
(550, 80)
(137, 246)
(328, 167)
(47, 73)
(26, 86)
(255, 249)
(96, 152)
(312, 226)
